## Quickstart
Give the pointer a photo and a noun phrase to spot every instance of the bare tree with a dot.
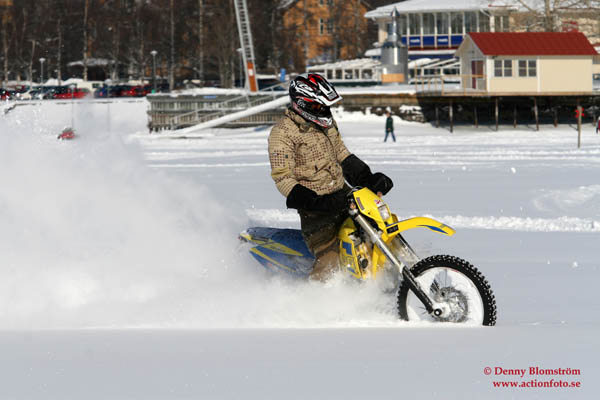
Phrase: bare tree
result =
(223, 47)
(172, 46)
(347, 29)
(59, 50)
(86, 7)
(19, 29)
(6, 19)
(201, 40)
(140, 38)
(33, 43)
(546, 16)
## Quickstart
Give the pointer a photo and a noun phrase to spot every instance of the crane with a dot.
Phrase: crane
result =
(243, 23)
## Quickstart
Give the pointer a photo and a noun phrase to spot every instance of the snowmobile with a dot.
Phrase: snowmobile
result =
(439, 288)
(67, 134)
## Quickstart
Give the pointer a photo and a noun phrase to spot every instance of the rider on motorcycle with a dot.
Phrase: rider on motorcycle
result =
(310, 164)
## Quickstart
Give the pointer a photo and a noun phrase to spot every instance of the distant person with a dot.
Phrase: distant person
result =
(389, 126)
(598, 125)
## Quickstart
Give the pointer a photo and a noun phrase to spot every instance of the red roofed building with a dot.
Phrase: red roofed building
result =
(527, 62)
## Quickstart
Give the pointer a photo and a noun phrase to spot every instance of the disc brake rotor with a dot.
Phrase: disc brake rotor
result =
(456, 302)
(450, 290)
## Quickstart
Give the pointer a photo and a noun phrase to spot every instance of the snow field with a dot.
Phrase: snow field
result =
(132, 237)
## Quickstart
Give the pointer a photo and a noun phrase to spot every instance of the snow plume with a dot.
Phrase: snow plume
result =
(90, 236)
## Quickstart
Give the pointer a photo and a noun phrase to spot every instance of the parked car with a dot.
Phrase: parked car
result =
(161, 87)
(28, 94)
(81, 93)
(146, 90)
(59, 92)
(115, 91)
(101, 92)
(47, 92)
(72, 93)
(135, 91)
(92, 86)
(128, 91)
(108, 91)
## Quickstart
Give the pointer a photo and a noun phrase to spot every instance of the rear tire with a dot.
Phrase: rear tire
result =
(453, 282)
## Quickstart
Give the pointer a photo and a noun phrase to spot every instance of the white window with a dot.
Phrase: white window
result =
(442, 23)
(456, 22)
(329, 26)
(497, 68)
(470, 22)
(321, 26)
(428, 24)
(414, 22)
(507, 67)
(527, 68)
(403, 25)
(321, 2)
(502, 68)
(484, 22)
(501, 23)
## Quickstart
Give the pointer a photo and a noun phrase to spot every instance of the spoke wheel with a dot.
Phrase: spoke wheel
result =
(461, 290)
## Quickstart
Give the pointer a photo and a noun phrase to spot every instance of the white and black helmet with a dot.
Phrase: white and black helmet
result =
(311, 96)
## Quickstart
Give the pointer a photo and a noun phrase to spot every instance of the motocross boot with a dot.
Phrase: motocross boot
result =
(326, 261)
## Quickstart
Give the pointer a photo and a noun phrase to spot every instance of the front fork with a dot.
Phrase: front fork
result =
(430, 306)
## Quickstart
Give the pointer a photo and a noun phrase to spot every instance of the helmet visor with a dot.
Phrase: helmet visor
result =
(317, 109)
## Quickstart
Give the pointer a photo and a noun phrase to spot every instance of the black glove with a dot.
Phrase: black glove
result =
(302, 198)
(379, 182)
(356, 172)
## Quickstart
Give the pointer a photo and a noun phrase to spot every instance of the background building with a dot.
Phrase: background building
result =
(527, 62)
(430, 27)
(434, 29)
(327, 30)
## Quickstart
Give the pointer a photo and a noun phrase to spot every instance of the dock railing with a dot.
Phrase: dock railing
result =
(449, 84)
(239, 103)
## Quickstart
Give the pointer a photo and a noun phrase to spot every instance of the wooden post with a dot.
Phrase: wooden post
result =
(535, 111)
(451, 112)
(437, 116)
(496, 113)
(594, 111)
(475, 115)
(555, 116)
(515, 116)
(578, 124)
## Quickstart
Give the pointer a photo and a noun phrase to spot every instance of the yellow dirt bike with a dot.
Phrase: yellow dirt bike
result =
(439, 288)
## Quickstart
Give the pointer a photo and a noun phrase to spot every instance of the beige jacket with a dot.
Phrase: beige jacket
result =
(302, 153)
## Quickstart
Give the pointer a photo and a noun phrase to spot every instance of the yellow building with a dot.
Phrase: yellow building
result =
(527, 62)
(325, 27)
(4, 5)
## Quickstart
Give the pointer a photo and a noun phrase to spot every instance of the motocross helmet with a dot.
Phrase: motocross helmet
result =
(311, 96)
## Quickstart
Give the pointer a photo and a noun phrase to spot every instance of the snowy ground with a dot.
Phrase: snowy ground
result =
(121, 276)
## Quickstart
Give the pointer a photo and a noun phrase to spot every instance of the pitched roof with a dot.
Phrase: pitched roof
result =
(415, 6)
(283, 4)
(533, 43)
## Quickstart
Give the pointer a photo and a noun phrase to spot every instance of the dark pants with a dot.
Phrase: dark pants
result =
(386, 135)
(319, 231)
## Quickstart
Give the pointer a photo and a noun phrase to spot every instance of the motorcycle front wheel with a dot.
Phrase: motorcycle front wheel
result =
(454, 283)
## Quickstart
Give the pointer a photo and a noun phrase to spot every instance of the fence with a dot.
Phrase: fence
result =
(168, 112)
(450, 84)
